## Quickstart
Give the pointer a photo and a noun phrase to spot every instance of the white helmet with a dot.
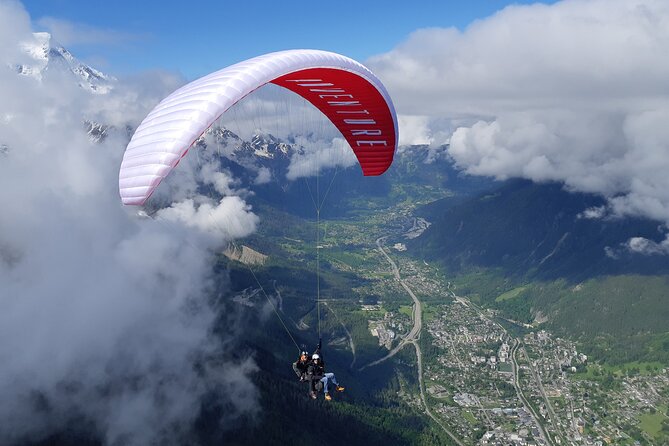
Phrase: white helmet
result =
(315, 356)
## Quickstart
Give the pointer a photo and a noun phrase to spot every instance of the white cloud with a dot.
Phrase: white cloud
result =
(231, 218)
(589, 53)
(223, 182)
(318, 155)
(132, 97)
(102, 314)
(594, 213)
(573, 92)
(415, 130)
(264, 176)
(644, 246)
(71, 34)
(16, 29)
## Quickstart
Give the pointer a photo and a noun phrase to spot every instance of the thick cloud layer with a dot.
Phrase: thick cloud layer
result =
(104, 316)
(574, 92)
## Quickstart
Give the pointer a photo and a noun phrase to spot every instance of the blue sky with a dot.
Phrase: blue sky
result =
(194, 38)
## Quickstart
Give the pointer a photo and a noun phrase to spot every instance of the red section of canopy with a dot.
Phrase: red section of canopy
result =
(355, 107)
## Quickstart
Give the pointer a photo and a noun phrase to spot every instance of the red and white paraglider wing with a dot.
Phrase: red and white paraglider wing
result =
(345, 91)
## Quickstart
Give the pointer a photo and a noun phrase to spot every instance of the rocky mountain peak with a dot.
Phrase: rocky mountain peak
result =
(47, 56)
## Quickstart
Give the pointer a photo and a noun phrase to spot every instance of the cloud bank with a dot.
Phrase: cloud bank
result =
(574, 92)
(105, 317)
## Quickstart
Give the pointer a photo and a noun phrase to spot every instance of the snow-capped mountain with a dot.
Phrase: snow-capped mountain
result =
(259, 159)
(262, 150)
(48, 56)
(264, 145)
(268, 146)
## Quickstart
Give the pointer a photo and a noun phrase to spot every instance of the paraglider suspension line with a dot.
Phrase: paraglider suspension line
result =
(318, 270)
(318, 205)
(261, 288)
(274, 308)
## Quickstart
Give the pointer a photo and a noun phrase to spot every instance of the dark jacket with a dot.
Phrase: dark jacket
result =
(316, 369)
(300, 368)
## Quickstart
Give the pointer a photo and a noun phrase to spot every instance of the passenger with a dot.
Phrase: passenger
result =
(318, 377)
(300, 366)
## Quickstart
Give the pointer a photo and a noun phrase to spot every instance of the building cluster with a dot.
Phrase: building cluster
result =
(472, 378)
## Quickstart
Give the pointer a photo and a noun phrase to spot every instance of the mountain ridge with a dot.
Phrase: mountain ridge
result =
(537, 230)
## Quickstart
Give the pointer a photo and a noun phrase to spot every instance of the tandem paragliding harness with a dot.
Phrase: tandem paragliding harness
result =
(311, 369)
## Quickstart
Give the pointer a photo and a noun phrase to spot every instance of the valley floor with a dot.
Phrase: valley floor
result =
(482, 379)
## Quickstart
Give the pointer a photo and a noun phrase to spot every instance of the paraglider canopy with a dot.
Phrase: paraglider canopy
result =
(345, 91)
